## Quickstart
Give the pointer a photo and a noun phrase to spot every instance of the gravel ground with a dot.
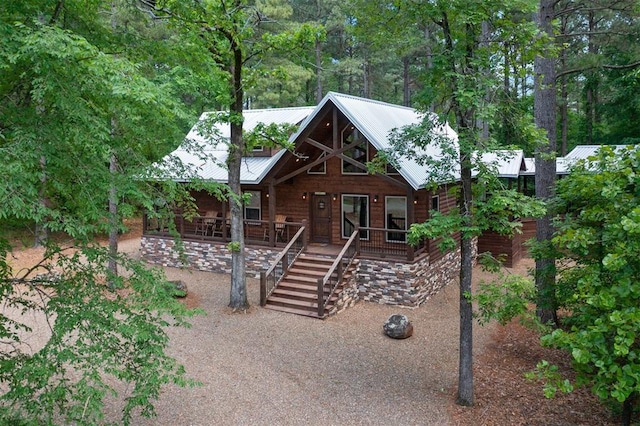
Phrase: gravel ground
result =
(269, 368)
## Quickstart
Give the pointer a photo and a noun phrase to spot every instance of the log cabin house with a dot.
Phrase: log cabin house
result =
(320, 232)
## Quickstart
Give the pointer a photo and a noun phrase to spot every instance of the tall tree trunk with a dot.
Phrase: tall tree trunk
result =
(545, 117)
(406, 93)
(41, 231)
(318, 70)
(627, 409)
(238, 297)
(113, 220)
(465, 360)
(468, 142)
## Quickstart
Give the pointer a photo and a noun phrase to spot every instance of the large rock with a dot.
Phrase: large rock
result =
(179, 288)
(398, 326)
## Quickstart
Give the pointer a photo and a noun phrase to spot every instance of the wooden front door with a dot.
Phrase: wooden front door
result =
(320, 218)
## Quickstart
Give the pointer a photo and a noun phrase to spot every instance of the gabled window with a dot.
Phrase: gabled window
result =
(359, 153)
(319, 169)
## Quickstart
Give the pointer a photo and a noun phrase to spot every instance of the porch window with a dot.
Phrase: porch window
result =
(435, 203)
(252, 208)
(355, 211)
(358, 153)
(396, 218)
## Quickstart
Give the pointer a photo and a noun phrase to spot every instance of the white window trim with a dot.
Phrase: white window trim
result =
(342, 233)
(437, 198)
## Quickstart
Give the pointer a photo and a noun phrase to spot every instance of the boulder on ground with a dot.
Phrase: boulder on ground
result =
(179, 288)
(398, 326)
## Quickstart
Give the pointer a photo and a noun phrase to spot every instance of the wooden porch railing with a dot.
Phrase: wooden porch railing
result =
(373, 242)
(270, 278)
(339, 266)
(381, 242)
(204, 228)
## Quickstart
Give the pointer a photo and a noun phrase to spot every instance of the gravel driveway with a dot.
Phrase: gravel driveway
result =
(269, 368)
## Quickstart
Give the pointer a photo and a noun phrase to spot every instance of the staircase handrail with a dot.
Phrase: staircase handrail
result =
(283, 258)
(340, 268)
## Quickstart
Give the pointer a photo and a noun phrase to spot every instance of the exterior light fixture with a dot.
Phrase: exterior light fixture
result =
(304, 195)
(415, 200)
(335, 196)
(375, 198)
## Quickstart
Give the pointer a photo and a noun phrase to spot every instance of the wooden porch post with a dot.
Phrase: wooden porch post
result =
(145, 223)
(411, 217)
(305, 235)
(320, 297)
(263, 288)
(272, 214)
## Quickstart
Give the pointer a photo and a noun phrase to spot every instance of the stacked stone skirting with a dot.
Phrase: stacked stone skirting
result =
(350, 294)
(203, 256)
(406, 284)
(380, 281)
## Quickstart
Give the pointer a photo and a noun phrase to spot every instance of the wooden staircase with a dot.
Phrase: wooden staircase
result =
(297, 293)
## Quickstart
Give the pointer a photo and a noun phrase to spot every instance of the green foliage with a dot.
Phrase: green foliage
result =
(552, 379)
(597, 241)
(505, 298)
(88, 342)
(81, 86)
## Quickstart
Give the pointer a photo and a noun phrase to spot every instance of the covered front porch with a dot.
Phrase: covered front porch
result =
(213, 227)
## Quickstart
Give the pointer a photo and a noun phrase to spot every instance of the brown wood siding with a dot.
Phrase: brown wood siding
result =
(289, 199)
(447, 201)
(501, 246)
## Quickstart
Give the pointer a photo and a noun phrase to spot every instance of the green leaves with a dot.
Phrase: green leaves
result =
(600, 287)
(97, 338)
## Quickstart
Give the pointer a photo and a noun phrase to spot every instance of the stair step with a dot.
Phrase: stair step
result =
(314, 272)
(296, 293)
(301, 287)
(315, 259)
(297, 304)
(310, 263)
(288, 310)
(308, 303)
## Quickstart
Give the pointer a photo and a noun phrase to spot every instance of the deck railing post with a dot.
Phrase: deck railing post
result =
(358, 241)
(305, 235)
(285, 263)
(145, 223)
(263, 288)
(410, 253)
(320, 297)
(181, 225)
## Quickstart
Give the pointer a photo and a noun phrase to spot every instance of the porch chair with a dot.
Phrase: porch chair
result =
(206, 222)
(280, 227)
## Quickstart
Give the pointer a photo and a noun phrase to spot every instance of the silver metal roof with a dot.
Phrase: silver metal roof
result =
(507, 163)
(564, 164)
(205, 156)
(375, 120)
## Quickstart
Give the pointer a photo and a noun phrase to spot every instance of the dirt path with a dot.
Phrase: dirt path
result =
(271, 368)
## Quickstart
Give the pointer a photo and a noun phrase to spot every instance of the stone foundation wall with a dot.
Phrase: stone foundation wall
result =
(379, 281)
(350, 294)
(204, 256)
(406, 284)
